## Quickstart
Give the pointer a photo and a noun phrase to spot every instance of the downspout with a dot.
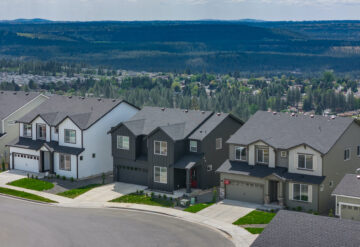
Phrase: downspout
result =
(77, 166)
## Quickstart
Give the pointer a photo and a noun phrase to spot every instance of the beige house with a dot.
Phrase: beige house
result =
(347, 195)
(13, 106)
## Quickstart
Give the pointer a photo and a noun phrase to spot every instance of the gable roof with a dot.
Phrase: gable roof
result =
(348, 186)
(84, 112)
(176, 123)
(283, 131)
(289, 228)
(10, 101)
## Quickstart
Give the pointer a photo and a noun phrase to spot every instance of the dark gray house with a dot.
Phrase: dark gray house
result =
(169, 149)
(291, 160)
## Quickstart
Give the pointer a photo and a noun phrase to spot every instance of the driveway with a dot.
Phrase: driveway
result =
(108, 192)
(228, 211)
(11, 175)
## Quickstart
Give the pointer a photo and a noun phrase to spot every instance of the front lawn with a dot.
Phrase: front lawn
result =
(25, 195)
(144, 199)
(32, 184)
(198, 207)
(255, 217)
(76, 192)
(254, 230)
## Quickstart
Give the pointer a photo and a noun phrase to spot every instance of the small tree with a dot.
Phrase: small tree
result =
(214, 196)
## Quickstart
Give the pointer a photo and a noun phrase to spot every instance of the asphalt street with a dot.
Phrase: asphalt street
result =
(25, 224)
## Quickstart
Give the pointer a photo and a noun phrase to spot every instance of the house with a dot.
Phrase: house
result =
(296, 229)
(14, 105)
(292, 160)
(68, 136)
(347, 197)
(168, 149)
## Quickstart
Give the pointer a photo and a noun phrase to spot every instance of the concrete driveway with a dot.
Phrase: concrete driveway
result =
(228, 211)
(11, 175)
(108, 192)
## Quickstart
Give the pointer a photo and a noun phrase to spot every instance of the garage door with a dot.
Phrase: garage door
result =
(24, 162)
(132, 175)
(350, 212)
(242, 191)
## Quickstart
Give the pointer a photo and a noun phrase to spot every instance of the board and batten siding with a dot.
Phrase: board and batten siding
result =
(37, 121)
(69, 174)
(70, 125)
(121, 153)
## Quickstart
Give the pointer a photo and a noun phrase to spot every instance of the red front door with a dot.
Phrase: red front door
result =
(193, 178)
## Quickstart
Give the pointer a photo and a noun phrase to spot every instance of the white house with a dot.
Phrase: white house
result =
(68, 136)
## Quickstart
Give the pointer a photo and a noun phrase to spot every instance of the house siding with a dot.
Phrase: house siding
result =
(121, 153)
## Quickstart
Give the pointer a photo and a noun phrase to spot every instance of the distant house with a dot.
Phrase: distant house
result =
(295, 229)
(68, 136)
(168, 149)
(14, 105)
(347, 195)
(291, 160)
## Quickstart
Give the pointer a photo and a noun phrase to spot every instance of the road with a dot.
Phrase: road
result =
(28, 224)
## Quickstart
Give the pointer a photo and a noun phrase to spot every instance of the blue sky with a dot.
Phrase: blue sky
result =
(83, 10)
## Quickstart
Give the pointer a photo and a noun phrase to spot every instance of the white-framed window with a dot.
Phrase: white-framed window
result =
(218, 143)
(283, 154)
(305, 161)
(160, 174)
(209, 168)
(347, 154)
(262, 155)
(160, 148)
(240, 153)
(70, 136)
(65, 162)
(27, 130)
(41, 131)
(301, 192)
(193, 146)
(123, 142)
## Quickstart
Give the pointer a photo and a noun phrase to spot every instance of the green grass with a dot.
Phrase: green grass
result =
(198, 207)
(76, 192)
(32, 184)
(25, 195)
(144, 199)
(255, 217)
(254, 230)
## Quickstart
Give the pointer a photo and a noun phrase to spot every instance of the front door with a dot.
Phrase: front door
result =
(273, 191)
(193, 178)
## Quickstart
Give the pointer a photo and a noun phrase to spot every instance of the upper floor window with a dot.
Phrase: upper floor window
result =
(347, 154)
(193, 146)
(305, 161)
(301, 192)
(41, 131)
(240, 153)
(262, 155)
(70, 136)
(123, 142)
(218, 143)
(65, 162)
(27, 130)
(160, 174)
(160, 148)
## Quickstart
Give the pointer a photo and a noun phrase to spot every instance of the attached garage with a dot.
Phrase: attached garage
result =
(350, 212)
(132, 175)
(245, 191)
(25, 162)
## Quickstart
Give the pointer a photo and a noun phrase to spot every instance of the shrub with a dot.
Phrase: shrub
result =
(331, 214)
(214, 196)
(72, 179)
(171, 199)
(36, 177)
(103, 178)
(63, 178)
(152, 195)
(299, 208)
(32, 176)
(3, 164)
(159, 196)
(141, 192)
(28, 175)
(58, 176)
(164, 196)
(316, 213)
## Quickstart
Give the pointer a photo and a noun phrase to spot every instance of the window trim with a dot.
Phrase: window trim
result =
(241, 148)
(299, 200)
(190, 147)
(69, 142)
(283, 152)
(122, 142)
(257, 155)
(27, 136)
(160, 153)
(64, 155)
(161, 170)
(347, 149)
(305, 168)
(38, 125)
(216, 142)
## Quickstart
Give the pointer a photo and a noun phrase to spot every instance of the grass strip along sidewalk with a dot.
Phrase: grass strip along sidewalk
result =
(24, 195)
(32, 184)
(76, 192)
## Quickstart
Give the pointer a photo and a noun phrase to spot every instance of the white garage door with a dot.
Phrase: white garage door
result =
(247, 192)
(25, 162)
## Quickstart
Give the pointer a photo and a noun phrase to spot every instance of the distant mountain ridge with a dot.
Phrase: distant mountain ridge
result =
(28, 21)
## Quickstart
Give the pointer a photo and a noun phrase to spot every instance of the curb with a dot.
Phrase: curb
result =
(28, 200)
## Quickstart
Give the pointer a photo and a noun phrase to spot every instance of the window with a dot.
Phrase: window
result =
(358, 150)
(305, 161)
(70, 136)
(27, 130)
(65, 162)
(160, 148)
(263, 155)
(301, 192)
(123, 142)
(346, 154)
(218, 143)
(193, 146)
(209, 168)
(94, 155)
(283, 154)
(240, 153)
(41, 131)
(331, 183)
(81, 157)
(160, 174)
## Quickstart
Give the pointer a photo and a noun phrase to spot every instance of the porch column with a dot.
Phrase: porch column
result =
(281, 193)
(266, 189)
(52, 162)
(188, 182)
(41, 162)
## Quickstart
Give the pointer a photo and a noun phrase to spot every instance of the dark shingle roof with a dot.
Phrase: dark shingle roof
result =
(188, 161)
(11, 101)
(82, 111)
(284, 131)
(348, 186)
(176, 123)
(262, 171)
(297, 229)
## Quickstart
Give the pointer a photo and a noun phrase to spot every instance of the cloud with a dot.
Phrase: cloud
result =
(301, 2)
